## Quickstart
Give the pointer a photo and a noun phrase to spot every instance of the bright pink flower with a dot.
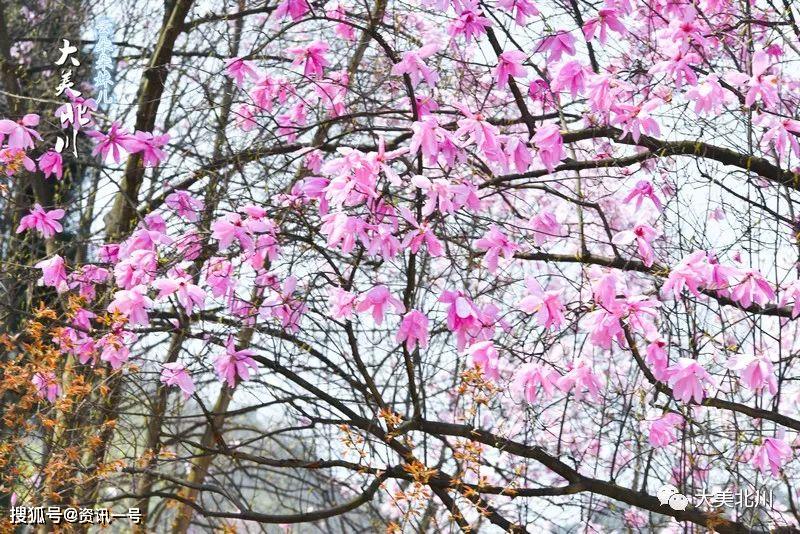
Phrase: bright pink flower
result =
(414, 65)
(150, 147)
(378, 299)
(427, 136)
(556, 45)
(709, 96)
(529, 378)
(604, 326)
(286, 307)
(643, 189)
(137, 269)
(413, 330)
(755, 371)
(662, 430)
(132, 303)
(175, 374)
(510, 64)
(420, 233)
(761, 84)
(239, 69)
(44, 222)
(690, 273)
(219, 276)
(753, 288)
(463, 317)
(571, 77)
(342, 303)
(54, 273)
(518, 153)
(605, 19)
(772, 455)
(312, 57)
(643, 234)
(688, 379)
(545, 226)
(550, 144)
(293, 8)
(20, 134)
(184, 204)
(46, 386)
(637, 119)
(343, 230)
(229, 228)
(495, 243)
(116, 142)
(51, 163)
(485, 356)
(521, 9)
(86, 278)
(579, 380)
(233, 365)
(189, 295)
(547, 305)
(470, 23)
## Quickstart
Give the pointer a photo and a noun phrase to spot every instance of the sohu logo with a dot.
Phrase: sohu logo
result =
(669, 494)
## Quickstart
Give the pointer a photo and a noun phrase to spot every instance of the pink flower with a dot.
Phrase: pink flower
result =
(229, 228)
(755, 371)
(657, 357)
(114, 142)
(690, 273)
(114, 350)
(20, 134)
(761, 84)
(792, 294)
(189, 295)
(342, 303)
(219, 276)
(606, 18)
(469, 22)
(132, 303)
(521, 9)
(54, 273)
(239, 69)
(662, 430)
(709, 96)
(45, 222)
(753, 288)
(51, 163)
(175, 374)
(547, 305)
(293, 8)
(643, 234)
(510, 64)
(377, 299)
(312, 57)
(637, 119)
(781, 133)
(529, 378)
(414, 65)
(518, 153)
(643, 189)
(556, 45)
(687, 379)
(772, 455)
(46, 386)
(550, 144)
(463, 317)
(545, 226)
(184, 204)
(420, 233)
(580, 379)
(413, 330)
(485, 356)
(150, 147)
(495, 243)
(234, 365)
(571, 77)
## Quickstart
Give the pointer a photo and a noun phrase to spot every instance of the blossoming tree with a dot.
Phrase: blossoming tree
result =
(433, 266)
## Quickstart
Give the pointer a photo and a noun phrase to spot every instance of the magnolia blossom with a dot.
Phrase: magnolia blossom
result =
(545, 226)
(175, 374)
(643, 234)
(342, 303)
(579, 380)
(485, 356)
(688, 380)
(550, 144)
(46, 386)
(413, 330)
(510, 64)
(20, 134)
(189, 295)
(132, 303)
(413, 64)
(753, 288)
(643, 189)
(662, 430)
(556, 45)
(530, 378)
(546, 304)
(755, 371)
(51, 163)
(44, 222)
(378, 299)
(233, 365)
(772, 455)
(495, 243)
(312, 57)
(54, 273)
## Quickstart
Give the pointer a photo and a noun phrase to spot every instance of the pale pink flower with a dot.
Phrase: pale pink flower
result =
(690, 273)
(233, 365)
(239, 69)
(342, 303)
(556, 45)
(606, 19)
(572, 77)
(662, 430)
(421, 233)
(546, 304)
(753, 288)
(54, 273)
(175, 374)
(414, 65)
(495, 243)
(580, 380)
(378, 299)
(643, 234)
(485, 356)
(688, 380)
(709, 96)
(189, 295)
(550, 144)
(132, 303)
(643, 189)
(656, 355)
(44, 222)
(20, 134)
(761, 85)
(510, 64)
(772, 455)
(528, 380)
(413, 330)
(184, 204)
(755, 371)
(521, 9)
(545, 226)
(470, 23)
(46, 385)
(51, 163)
